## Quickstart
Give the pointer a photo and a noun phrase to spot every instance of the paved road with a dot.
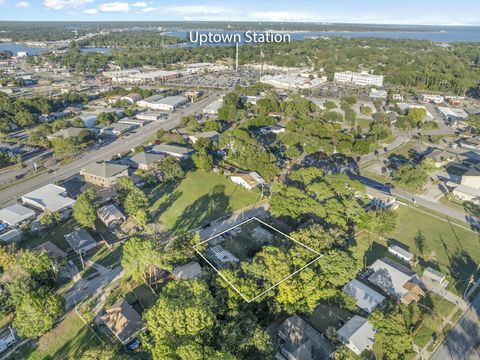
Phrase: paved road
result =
(10, 194)
(83, 288)
(460, 343)
(398, 142)
(419, 200)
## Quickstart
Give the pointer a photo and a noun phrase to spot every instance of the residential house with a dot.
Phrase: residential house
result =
(220, 256)
(104, 173)
(192, 270)
(357, 334)
(434, 275)
(396, 280)
(301, 341)
(401, 253)
(52, 250)
(50, 198)
(123, 321)
(249, 180)
(71, 132)
(80, 241)
(441, 157)
(144, 160)
(213, 135)
(11, 235)
(367, 299)
(111, 216)
(173, 150)
(15, 215)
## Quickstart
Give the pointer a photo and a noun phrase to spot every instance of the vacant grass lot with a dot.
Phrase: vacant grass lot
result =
(198, 198)
(68, 340)
(452, 248)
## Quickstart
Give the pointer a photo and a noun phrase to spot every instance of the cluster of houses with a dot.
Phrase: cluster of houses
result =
(125, 323)
(385, 280)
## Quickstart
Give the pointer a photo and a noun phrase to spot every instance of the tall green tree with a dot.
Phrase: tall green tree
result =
(37, 312)
(138, 254)
(85, 208)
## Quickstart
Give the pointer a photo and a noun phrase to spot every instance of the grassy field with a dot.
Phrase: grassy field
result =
(67, 341)
(448, 246)
(454, 248)
(198, 198)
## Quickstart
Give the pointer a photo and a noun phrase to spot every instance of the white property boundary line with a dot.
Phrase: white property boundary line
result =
(271, 287)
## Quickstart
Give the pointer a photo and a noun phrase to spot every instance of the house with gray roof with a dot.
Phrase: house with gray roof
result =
(16, 214)
(367, 299)
(192, 270)
(80, 241)
(301, 341)
(213, 135)
(173, 150)
(396, 280)
(71, 132)
(144, 160)
(50, 198)
(357, 334)
(104, 173)
(111, 216)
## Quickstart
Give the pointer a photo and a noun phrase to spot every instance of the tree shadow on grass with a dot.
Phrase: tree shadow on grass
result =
(206, 208)
(155, 214)
(462, 266)
(374, 252)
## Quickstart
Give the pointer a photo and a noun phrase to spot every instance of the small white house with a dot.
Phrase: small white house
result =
(434, 275)
(357, 334)
(248, 181)
(401, 253)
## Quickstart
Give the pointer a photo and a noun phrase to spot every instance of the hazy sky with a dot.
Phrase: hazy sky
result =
(459, 12)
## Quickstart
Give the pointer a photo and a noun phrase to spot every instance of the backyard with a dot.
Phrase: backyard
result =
(198, 198)
(68, 340)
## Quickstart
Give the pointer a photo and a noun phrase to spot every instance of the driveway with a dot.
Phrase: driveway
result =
(460, 343)
(84, 288)
(218, 226)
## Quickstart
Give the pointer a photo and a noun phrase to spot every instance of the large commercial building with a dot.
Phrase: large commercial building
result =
(292, 82)
(158, 102)
(134, 76)
(359, 79)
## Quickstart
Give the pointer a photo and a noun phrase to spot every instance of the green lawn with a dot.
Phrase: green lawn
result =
(199, 197)
(453, 248)
(67, 341)
(364, 123)
(55, 235)
(404, 150)
(449, 247)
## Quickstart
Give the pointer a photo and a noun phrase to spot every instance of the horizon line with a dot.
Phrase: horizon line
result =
(325, 23)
